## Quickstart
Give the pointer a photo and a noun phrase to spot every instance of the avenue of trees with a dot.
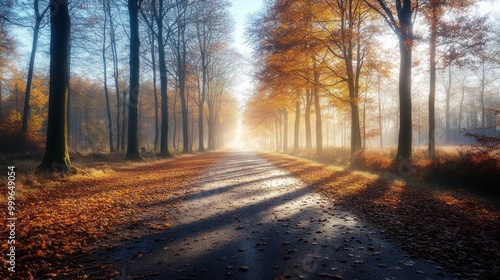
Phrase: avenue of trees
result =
(373, 74)
(126, 76)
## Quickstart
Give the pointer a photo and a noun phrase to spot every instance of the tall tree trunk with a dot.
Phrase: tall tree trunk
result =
(211, 144)
(460, 116)
(56, 157)
(319, 129)
(432, 87)
(280, 132)
(354, 103)
(38, 20)
(175, 120)
(355, 128)
(405, 49)
(307, 120)
(277, 135)
(1, 88)
(120, 133)
(155, 93)
(106, 93)
(201, 144)
(317, 108)
(334, 129)
(297, 127)
(124, 120)
(447, 109)
(285, 130)
(26, 112)
(483, 107)
(133, 114)
(379, 95)
(68, 106)
(184, 110)
(163, 92)
(364, 123)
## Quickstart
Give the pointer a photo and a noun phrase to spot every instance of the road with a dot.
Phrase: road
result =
(246, 219)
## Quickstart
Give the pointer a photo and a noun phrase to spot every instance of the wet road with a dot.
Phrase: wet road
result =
(246, 219)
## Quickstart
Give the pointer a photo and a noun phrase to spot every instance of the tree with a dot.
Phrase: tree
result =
(347, 36)
(7, 51)
(283, 34)
(470, 38)
(120, 108)
(133, 114)
(39, 16)
(56, 157)
(180, 42)
(400, 18)
(212, 29)
(161, 26)
(105, 3)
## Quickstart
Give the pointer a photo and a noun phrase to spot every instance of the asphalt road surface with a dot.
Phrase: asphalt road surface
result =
(246, 219)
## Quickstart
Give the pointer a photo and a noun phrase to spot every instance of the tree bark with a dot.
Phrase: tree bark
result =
(211, 144)
(56, 157)
(124, 120)
(133, 114)
(38, 20)
(405, 47)
(285, 130)
(26, 112)
(106, 93)
(319, 129)
(317, 108)
(155, 93)
(297, 127)
(447, 109)
(119, 107)
(307, 120)
(163, 91)
(432, 87)
(379, 94)
(483, 107)
(181, 68)
(201, 144)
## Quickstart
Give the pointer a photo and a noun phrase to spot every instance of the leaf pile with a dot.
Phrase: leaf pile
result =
(82, 214)
(460, 234)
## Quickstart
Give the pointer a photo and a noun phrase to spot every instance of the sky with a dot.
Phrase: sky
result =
(240, 11)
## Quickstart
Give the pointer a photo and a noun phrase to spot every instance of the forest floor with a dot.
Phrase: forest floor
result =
(238, 215)
(454, 228)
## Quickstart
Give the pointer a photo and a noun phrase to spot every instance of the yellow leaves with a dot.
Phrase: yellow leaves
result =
(153, 226)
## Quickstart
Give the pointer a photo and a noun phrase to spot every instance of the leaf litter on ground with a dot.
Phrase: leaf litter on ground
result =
(60, 223)
(459, 233)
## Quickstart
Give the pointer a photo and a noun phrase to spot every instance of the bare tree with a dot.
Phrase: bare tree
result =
(212, 30)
